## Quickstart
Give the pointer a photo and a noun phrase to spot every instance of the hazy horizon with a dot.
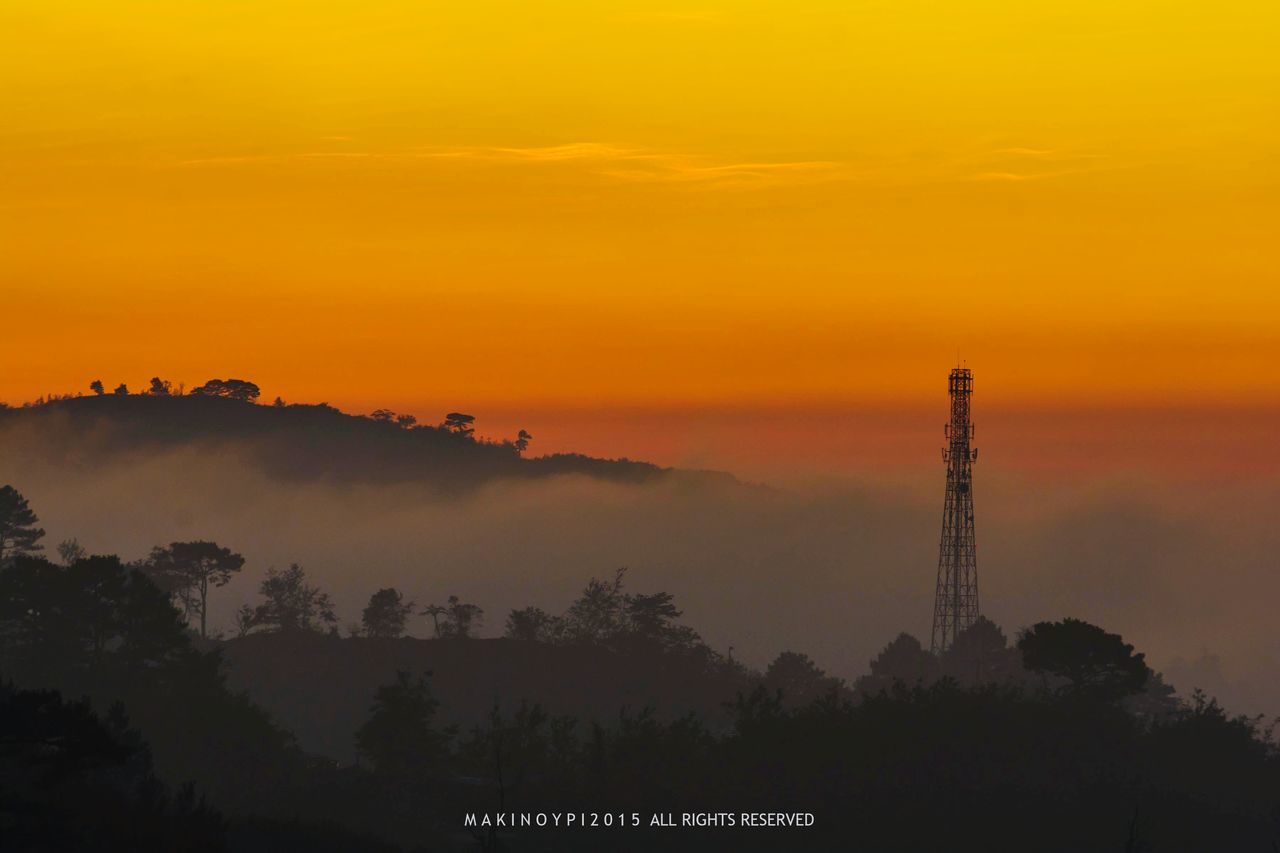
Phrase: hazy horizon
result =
(832, 565)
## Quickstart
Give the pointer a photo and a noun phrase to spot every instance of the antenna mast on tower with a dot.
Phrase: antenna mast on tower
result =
(955, 604)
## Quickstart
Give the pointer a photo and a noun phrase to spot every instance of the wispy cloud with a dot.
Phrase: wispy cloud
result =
(1001, 176)
(1026, 152)
(638, 165)
(620, 163)
(1019, 163)
(674, 16)
(673, 171)
(280, 158)
(649, 166)
(228, 160)
(544, 154)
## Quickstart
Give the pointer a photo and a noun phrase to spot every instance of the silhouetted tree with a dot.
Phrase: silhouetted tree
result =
(73, 781)
(18, 531)
(1156, 700)
(459, 424)
(903, 661)
(122, 390)
(534, 625)
(246, 619)
(189, 570)
(400, 737)
(406, 421)
(291, 603)
(435, 611)
(1092, 662)
(64, 619)
(651, 616)
(509, 751)
(101, 629)
(522, 441)
(799, 679)
(232, 389)
(649, 622)
(70, 550)
(385, 416)
(605, 615)
(981, 654)
(597, 615)
(278, 402)
(160, 387)
(97, 387)
(460, 619)
(386, 614)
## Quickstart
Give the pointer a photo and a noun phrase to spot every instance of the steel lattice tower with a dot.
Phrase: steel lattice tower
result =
(955, 604)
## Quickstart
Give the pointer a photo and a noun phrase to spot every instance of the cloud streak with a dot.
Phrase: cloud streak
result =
(617, 163)
(649, 166)
(1018, 164)
(639, 166)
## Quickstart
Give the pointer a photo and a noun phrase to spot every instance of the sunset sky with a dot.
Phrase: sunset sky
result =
(542, 206)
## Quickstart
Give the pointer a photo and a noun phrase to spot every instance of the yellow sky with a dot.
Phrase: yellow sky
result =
(385, 202)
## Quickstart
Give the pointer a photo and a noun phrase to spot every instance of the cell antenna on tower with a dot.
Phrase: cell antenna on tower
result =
(955, 604)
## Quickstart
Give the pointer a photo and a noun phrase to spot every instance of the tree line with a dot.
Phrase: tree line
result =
(458, 424)
(1062, 739)
(607, 615)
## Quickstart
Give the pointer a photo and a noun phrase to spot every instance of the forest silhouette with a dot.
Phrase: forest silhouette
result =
(129, 725)
(299, 442)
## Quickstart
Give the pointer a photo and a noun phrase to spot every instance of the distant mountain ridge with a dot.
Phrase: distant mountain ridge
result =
(300, 442)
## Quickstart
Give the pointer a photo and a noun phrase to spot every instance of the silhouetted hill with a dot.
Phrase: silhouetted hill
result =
(295, 442)
(321, 687)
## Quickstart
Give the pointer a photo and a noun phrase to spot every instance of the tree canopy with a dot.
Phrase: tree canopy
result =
(533, 625)
(290, 604)
(70, 550)
(76, 781)
(799, 679)
(100, 628)
(232, 389)
(400, 736)
(981, 655)
(455, 619)
(188, 570)
(387, 614)
(1091, 661)
(903, 661)
(19, 533)
(85, 621)
(459, 423)
(605, 614)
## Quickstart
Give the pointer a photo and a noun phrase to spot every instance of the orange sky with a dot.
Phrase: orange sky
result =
(535, 205)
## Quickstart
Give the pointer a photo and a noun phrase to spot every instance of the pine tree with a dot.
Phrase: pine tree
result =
(18, 531)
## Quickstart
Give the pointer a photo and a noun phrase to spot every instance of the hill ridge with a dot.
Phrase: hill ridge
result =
(301, 442)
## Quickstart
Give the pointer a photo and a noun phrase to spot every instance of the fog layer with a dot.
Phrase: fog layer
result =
(835, 570)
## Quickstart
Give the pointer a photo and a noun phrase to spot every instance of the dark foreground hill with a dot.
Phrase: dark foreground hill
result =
(295, 442)
(321, 687)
